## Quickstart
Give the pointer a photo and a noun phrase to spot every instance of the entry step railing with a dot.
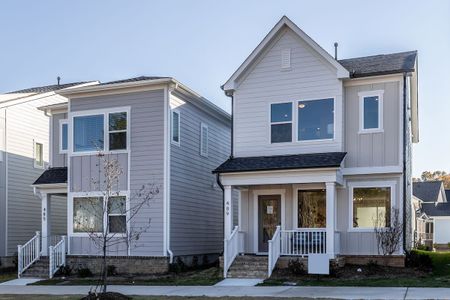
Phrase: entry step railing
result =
(57, 256)
(28, 253)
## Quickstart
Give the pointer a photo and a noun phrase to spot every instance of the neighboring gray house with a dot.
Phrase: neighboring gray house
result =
(24, 152)
(321, 153)
(432, 214)
(162, 133)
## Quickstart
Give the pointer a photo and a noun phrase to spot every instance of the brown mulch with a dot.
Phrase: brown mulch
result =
(106, 296)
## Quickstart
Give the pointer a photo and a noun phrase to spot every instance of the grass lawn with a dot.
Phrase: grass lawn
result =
(203, 277)
(7, 276)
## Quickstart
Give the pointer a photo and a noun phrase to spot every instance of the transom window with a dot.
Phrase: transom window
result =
(371, 207)
(38, 155)
(281, 122)
(315, 119)
(371, 111)
(99, 132)
(63, 136)
(312, 210)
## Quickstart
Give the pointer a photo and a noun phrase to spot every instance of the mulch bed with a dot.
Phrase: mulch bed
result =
(106, 296)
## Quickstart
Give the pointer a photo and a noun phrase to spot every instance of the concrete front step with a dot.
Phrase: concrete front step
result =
(249, 266)
(39, 269)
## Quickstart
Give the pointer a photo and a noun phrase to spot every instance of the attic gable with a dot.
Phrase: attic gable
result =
(278, 30)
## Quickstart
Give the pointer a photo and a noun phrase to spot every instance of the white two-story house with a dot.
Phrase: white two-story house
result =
(321, 151)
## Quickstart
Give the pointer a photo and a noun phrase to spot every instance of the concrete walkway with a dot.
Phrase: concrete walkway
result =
(217, 291)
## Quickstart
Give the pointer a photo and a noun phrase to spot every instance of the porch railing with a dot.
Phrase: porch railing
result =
(231, 250)
(274, 250)
(303, 241)
(57, 256)
(28, 253)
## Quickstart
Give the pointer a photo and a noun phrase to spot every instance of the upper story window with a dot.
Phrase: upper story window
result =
(281, 122)
(204, 139)
(175, 127)
(38, 155)
(316, 119)
(64, 136)
(371, 111)
(101, 132)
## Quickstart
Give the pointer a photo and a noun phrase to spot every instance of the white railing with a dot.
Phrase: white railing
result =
(304, 241)
(231, 250)
(274, 250)
(57, 256)
(28, 253)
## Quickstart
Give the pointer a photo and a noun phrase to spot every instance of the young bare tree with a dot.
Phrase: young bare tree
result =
(388, 237)
(109, 222)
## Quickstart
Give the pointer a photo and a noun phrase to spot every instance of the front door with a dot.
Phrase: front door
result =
(269, 217)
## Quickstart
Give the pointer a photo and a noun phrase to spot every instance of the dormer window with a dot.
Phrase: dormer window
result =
(281, 122)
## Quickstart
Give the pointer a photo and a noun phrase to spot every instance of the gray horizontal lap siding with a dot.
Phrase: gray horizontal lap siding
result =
(147, 157)
(196, 207)
(2, 190)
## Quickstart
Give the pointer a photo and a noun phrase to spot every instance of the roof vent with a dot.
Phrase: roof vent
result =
(58, 79)
(335, 50)
(286, 58)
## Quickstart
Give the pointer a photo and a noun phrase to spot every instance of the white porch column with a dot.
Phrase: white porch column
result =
(45, 212)
(331, 208)
(227, 211)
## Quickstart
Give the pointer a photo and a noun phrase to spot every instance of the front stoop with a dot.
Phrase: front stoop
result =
(249, 266)
(39, 269)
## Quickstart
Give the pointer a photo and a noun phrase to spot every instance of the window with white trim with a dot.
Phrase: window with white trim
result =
(315, 119)
(371, 206)
(117, 218)
(63, 136)
(371, 111)
(204, 139)
(175, 127)
(117, 131)
(87, 214)
(38, 155)
(281, 122)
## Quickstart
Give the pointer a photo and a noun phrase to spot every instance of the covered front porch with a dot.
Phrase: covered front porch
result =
(281, 213)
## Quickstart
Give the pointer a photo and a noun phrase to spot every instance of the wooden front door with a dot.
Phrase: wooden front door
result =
(269, 217)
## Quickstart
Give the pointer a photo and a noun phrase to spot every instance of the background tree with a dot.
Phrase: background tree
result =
(435, 176)
(109, 221)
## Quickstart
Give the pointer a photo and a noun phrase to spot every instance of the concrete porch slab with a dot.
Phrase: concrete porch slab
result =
(239, 282)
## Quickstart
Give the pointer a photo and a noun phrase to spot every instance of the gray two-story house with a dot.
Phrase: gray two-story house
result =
(162, 134)
(321, 154)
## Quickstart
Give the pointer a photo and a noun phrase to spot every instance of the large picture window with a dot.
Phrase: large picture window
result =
(371, 207)
(315, 119)
(281, 122)
(88, 133)
(87, 214)
(312, 209)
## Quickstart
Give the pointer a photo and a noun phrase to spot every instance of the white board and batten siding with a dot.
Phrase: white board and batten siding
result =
(146, 130)
(309, 77)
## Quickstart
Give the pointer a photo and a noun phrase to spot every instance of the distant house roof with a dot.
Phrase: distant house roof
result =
(52, 176)
(447, 195)
(47, 88)
(437, 209)
(383, 64)
(134, 79)
(281, 162)
(427, 191)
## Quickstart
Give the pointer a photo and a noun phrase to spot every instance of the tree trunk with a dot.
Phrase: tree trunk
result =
(105, 269)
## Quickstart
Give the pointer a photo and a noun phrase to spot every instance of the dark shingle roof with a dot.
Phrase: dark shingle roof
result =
(380, 64)
(134, 79)
(47, 88)
(436, 209)
(447, 195)
(52, 176)
(299, 161)
(427, 191)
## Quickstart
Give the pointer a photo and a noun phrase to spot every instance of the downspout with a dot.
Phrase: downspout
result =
(404, 161)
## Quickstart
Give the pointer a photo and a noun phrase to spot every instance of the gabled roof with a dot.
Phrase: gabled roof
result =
(47, 88)
(52, 176)
(427, 191)
(282, 162)
(437, 209)
(380, 64)
(134, 79)
(447, 195)
(283, 23)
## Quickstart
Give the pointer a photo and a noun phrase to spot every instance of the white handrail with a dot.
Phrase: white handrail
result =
(57, 256)
(274, 250)
(28, 254)
(230, 250)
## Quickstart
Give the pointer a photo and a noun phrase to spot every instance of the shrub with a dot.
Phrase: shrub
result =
(178, 266)
(423, 248)
(415, 259)
(372, 267)
(295, 266)
(448, 245)
(111, 270)
(64, 271)
(84, 272)
(194, 262)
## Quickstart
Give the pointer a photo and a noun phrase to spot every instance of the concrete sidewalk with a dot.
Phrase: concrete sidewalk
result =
(217, 291)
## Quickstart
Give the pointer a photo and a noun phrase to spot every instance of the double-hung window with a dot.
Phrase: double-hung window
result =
(204, 136)
(38, 155)
(315, 119)
(371, 111)
(117, 219)
(63, 136)
(371, 206)
(117, 131)
(175, 127)
(281, 122)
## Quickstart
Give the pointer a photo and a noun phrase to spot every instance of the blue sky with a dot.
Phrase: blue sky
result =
(201, 43)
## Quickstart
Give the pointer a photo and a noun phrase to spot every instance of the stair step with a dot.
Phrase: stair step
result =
(249, 266)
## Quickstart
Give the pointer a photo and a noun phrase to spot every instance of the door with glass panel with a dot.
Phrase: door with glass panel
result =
(269, 217)
(311, 237)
